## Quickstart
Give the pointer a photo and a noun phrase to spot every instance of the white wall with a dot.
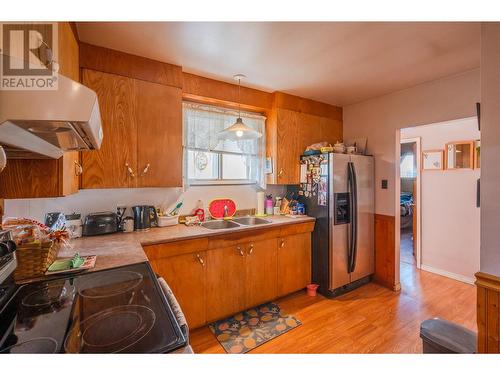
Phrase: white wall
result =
(490, 148)
(378, 119)
(450, 220)
(95, 200)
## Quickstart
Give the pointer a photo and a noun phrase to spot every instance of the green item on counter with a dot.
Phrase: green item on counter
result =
(77, 261)
(67, 264)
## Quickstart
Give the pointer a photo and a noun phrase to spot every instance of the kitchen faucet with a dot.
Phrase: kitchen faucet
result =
(225, 211)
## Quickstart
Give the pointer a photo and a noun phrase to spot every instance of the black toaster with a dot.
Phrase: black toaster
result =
(100, 223)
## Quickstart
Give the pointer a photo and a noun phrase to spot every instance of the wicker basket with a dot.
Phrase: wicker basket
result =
(34, 259)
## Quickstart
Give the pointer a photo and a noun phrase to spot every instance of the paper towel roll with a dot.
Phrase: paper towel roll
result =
(261, 196)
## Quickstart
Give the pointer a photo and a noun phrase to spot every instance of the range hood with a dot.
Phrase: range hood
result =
(38, 124)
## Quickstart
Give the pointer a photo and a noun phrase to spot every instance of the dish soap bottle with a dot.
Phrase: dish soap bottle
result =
(200, 211)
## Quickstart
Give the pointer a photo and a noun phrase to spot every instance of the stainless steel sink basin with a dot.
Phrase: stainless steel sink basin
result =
(250, 220)
(219, 224)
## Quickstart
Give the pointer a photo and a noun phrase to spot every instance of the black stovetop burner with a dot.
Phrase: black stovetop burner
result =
(121, 310)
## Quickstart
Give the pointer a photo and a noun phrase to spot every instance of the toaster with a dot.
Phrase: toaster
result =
(100, 223)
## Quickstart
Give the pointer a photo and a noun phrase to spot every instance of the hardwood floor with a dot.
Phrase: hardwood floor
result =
(406, 247)
(371, 319)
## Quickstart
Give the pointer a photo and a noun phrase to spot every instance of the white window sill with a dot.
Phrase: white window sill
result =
(219, 182)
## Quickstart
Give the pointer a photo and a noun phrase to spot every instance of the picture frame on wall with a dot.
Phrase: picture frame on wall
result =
(432, 160)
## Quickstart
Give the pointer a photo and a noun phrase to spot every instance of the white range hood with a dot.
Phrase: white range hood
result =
(45, 123)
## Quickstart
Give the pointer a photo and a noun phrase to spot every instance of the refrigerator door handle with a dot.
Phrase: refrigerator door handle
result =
(350, 237)
(355, 219)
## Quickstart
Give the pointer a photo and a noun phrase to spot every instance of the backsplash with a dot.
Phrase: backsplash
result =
(95, 200)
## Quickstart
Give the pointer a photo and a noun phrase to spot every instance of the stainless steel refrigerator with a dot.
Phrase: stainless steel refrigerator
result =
(338, 189)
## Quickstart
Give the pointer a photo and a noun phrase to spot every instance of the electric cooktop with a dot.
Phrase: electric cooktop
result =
(122, 310)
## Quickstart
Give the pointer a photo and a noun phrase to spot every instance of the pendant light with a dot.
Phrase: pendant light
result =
(239, 131)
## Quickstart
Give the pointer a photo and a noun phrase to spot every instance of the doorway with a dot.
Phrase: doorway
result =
(409, 201)
(445, 217)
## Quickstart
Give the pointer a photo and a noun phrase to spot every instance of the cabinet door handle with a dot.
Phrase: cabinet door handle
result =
(146, 169)
(200, 259)
(240, 250)
(282, 243)
(250, 251)
(78, 168)
(280, 173)
(130, 171)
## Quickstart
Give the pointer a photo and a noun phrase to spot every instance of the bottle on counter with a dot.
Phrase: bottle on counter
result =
(269, 205)
(200, 211)
(277, 206)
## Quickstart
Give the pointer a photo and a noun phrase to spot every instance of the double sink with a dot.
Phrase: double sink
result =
(234, 223)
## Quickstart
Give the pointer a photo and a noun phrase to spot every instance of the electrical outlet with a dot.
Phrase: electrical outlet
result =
(384, 184)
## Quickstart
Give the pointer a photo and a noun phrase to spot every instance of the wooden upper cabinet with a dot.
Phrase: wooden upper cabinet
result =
(142, 125)
(291, 129)
(330, 130)
(44, 178)
(159, 135)
(109, 166)
(287, 163)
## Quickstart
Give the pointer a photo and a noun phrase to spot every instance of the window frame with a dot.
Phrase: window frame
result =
(220, 180)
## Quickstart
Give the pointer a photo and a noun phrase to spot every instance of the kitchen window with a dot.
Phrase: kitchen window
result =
(210, 160)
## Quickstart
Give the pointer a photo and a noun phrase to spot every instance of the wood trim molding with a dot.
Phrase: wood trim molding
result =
(115, 62)
(72, 24)
(211, 91)
(197, 88)
(485, 280)
(488, 313)
(312, 107)
(385, 252)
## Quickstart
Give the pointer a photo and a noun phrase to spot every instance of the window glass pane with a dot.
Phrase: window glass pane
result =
(202, 165)
(234, 167)
(407, 166)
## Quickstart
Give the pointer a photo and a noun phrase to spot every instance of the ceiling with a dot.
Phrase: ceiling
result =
(339, 63)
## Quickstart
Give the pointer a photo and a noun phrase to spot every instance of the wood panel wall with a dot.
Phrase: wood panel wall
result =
(385, 251)
(488, 313)
(303, 105)
(124, 64)
(211, 91)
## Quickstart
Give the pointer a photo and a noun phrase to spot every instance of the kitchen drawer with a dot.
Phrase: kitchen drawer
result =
(165, 250)
(231, 239)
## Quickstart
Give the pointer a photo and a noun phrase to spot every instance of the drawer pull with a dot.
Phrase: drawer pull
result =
(200, 259)
(280, 173)
(146, 169)
(78, 169)
(130, 171)
(240, 250)
(282, 243)
(250, 251)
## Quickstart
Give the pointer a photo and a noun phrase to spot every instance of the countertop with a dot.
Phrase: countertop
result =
(121, 249)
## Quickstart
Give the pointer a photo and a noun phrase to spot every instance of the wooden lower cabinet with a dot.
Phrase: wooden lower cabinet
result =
(294, 262)
(261, 272)
(225, 281)
(212, 282)
(186, 276)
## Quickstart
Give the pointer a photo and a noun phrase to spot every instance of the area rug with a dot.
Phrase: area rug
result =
(251, 328)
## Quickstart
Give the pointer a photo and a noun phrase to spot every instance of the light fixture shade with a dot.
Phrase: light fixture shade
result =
(239, 132)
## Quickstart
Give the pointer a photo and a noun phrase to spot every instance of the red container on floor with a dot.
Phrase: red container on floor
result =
(311, 289)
